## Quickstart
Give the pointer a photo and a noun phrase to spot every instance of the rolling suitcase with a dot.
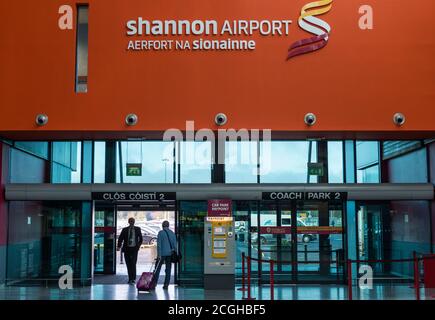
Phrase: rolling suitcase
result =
(147, 280)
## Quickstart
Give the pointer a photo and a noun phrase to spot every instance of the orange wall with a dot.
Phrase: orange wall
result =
(355, 84)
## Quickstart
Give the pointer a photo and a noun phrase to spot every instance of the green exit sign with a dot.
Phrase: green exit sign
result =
(134, 169)
(315, 169)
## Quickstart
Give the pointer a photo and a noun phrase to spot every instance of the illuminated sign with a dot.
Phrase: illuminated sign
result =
(133, 196)
(286, 195)
(134, 169)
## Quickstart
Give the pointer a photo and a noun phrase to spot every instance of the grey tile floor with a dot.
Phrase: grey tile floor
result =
(297, 292)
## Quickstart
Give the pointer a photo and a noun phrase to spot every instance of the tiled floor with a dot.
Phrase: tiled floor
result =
(128, 292)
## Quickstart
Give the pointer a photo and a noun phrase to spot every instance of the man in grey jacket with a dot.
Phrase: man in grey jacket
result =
(166, 244)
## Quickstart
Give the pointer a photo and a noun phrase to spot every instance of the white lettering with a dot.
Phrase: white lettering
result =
(66, 20)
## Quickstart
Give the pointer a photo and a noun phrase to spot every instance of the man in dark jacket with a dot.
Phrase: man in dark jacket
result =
(130, 240)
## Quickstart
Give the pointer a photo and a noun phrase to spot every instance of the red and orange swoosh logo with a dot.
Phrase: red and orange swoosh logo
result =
(309, 22)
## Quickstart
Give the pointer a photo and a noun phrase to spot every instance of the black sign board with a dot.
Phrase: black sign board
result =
(285, 195)
(133, 196)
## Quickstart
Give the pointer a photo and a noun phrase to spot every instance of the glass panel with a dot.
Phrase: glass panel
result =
(195, 162)
(66, 162)
(286, 161)
(268, 242)
(255, 240)
(307, 241)
(393, 230)
(368, 175)
(87, 162)
(367, 158)
(82, 49)
(104, 239)
(241, 162)
(241, 225)
(367, 153)
(320, 241)
(191, 230)
(409, 168)
(155, 159)
(26, 168)
(38, 148)
(99, 162)
(335, 161)
(46, 235)
(285, 248)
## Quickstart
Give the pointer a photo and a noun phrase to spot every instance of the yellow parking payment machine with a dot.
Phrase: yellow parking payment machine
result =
(221, 230)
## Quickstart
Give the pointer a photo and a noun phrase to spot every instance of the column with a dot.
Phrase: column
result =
(349, 154)
(324, 241)
(110, 162)
(4, 170)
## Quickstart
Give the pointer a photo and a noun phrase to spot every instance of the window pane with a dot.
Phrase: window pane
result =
(367, 160)
(367, 153)
(66, 162)
(99, 161)
(154, 159)
(241, 162)
(335, 161)
(87, 162)
(46, 235)
(195, 162)
(26, 168)
(286, 161)
(368, 175)
(38, 148)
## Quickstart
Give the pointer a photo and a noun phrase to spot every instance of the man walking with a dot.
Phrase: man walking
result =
(130, 240)
(166, 244)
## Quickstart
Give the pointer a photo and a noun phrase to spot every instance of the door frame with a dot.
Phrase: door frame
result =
(294, 276)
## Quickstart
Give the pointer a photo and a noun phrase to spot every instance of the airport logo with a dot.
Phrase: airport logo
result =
(310, 23)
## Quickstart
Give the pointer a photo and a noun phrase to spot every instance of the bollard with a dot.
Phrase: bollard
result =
(243, 288)
(349, 279)
(248, 260)
(306, 252)
(416, 277)
(271, 281)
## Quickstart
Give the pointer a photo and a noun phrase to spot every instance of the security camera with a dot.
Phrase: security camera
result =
(41, 119)
(131, 119)
(220, 119)
(399, 119)
(310, 119)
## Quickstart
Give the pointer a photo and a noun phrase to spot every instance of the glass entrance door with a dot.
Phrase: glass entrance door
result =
(373, 230)
(320, 251)
(304, 238)
(105, 238)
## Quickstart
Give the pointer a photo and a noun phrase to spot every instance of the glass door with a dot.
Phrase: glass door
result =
(320, 251)
(191, 244)
(373, 228)
(273, 240)
(104, 239)
(241, 228)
